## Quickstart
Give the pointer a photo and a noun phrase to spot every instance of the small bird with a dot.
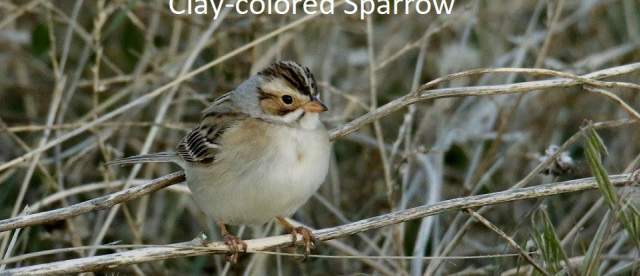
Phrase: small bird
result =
(259, 152)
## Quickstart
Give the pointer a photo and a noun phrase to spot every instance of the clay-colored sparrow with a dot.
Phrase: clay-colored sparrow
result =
(259, 152)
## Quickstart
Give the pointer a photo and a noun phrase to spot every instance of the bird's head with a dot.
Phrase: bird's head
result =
(287, 92)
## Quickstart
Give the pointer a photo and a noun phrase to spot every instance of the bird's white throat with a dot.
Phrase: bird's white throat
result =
(310, 120)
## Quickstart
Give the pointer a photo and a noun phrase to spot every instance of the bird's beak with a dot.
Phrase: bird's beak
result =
(315, 105)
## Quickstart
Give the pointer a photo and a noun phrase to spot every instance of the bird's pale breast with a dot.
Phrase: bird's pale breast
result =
(262, 171)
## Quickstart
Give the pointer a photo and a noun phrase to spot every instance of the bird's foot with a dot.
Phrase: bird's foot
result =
(308, 238)
(235, 245)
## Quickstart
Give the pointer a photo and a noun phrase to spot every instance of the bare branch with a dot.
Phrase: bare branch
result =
(487, 90)
(95, 204)
(194, 247)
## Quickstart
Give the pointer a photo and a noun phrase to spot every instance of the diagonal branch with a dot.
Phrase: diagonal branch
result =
(194, 248)
(425, 93)
(95, 204)
(509, 240)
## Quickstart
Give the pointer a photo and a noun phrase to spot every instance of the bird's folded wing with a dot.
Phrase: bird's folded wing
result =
(202, 143)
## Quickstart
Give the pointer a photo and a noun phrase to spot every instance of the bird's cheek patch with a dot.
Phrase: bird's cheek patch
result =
(270, 106)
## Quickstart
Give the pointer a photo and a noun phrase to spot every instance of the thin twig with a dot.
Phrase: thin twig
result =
(509, 240)
(627, 108)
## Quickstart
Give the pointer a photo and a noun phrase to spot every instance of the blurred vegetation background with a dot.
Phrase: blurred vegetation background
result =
(64, 63)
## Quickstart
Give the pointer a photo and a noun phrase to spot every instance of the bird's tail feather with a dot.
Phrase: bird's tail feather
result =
(159, 157)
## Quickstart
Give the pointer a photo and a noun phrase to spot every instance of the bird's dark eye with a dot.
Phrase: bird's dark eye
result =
(287, 99)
